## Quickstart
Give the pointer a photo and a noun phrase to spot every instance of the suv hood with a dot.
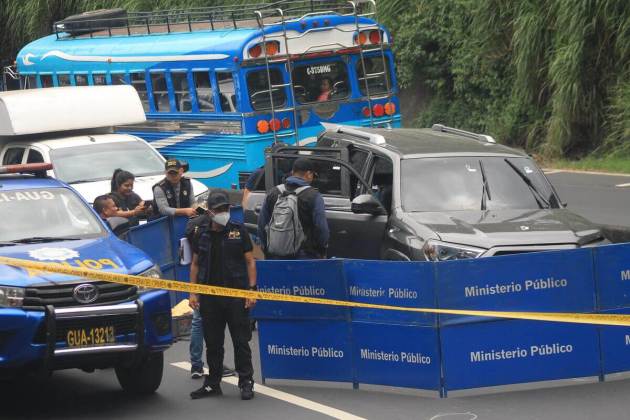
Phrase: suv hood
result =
(107, 254)
(143, 186)
(487, 229)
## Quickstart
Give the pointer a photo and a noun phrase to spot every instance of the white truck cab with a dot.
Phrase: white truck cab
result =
(70, 127)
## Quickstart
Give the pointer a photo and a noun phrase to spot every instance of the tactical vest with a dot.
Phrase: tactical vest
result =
(234, 266)
(185, 193)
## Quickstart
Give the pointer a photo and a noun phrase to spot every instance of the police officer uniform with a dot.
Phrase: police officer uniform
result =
(221, 262)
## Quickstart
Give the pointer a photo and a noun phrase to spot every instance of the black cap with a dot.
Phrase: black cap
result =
(302, 165)
(217, 199)
(172, 165)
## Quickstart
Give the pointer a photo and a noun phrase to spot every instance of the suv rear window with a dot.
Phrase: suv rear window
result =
(451, 184)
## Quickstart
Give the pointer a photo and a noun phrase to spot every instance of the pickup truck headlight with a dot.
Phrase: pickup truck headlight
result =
(201, 200)
(11, 297)
(153, 272)
(444, 251)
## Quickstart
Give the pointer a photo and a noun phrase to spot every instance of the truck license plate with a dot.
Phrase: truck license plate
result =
(99, 336)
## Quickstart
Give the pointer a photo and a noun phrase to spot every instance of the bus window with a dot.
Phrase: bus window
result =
(119, 79)
(80, 80)
(203, 90)
(320, 82)
(160, 92)
(258, 87)
(227, 93)
(137, 81)
(29, 82)
(376, 82)
(63, 80)
(46, 80)
(99, 79)
(182, 93)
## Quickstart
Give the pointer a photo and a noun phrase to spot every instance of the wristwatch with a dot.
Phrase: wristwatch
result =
(254, 287)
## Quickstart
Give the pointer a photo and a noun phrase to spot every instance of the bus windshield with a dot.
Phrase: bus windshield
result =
(320, 82)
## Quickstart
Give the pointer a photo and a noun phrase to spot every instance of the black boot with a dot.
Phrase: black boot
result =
(247, 390)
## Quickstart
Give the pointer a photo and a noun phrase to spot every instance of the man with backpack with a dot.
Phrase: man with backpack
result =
(292, 223)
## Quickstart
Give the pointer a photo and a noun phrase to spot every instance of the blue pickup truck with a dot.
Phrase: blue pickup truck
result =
(53, 321)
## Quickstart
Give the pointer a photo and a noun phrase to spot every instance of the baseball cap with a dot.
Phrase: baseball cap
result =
(172, 165)
(217, 199)
(303, 165)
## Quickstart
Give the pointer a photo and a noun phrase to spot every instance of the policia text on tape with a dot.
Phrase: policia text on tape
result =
(577, 318)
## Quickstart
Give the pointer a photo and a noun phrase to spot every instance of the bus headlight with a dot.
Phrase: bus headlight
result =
(11, 297)
(444, 251)
(154, 273)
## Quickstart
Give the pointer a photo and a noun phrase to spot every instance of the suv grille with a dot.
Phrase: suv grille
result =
(123, 324)
(62, 295)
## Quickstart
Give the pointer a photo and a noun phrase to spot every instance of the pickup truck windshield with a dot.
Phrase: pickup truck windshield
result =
(97, 162)
(51, 214)
(474, 183)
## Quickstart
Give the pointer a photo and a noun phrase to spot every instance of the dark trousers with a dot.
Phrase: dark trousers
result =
(216, 313)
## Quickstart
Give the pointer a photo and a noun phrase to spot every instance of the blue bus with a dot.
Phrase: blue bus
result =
(221, 84)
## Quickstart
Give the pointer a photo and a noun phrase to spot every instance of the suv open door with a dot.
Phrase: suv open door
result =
(356, 221)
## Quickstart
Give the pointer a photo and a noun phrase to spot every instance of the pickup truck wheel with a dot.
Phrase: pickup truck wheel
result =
(142, 377)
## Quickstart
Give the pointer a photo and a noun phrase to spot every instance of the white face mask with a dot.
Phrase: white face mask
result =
(221, 218)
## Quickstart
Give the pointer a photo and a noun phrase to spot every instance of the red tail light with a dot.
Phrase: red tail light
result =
(286, 123)
(262, 126)
(255, 51)
(375, 37)
(366, 112)
(274, 124)
(378, 110)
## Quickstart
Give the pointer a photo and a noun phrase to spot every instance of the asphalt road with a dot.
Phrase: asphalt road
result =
(77, 395)
(603, 199)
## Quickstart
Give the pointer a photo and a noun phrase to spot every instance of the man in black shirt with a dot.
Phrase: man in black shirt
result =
(223, 257)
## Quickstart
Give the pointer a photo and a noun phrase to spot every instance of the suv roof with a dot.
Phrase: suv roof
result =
(423, 142)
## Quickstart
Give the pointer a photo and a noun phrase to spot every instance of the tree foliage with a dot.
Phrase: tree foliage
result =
(551, 76)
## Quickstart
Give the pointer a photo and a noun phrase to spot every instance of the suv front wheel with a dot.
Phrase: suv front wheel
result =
(143, 376)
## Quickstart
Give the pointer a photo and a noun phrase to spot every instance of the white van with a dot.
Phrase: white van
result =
(70, 127)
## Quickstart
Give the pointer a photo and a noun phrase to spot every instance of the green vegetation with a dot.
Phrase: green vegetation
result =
(608, 164)
(551, 76)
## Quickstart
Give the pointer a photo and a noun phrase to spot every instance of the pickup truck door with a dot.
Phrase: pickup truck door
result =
(351, 235)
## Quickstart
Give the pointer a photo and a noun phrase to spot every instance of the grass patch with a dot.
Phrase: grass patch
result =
(608, 164)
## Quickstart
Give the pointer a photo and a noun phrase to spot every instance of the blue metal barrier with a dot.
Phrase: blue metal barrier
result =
(449, 353)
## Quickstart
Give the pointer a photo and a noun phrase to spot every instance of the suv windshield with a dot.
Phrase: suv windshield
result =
(46, 214)
(450, 184)
(98, 161)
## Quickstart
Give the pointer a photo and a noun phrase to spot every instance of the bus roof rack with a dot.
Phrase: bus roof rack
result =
(376, 139)
(481, 137)
(107, 23)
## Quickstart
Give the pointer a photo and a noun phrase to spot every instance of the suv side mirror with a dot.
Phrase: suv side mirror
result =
(367, 204)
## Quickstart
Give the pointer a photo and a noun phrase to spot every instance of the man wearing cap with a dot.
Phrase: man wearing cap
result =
(311, 211)
(223, 257)
(173, 195)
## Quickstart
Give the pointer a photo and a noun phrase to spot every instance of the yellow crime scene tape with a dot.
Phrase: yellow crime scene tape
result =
(178, 286)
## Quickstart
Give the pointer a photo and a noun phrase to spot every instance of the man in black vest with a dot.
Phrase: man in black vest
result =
(223, 256)
(173, 195)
